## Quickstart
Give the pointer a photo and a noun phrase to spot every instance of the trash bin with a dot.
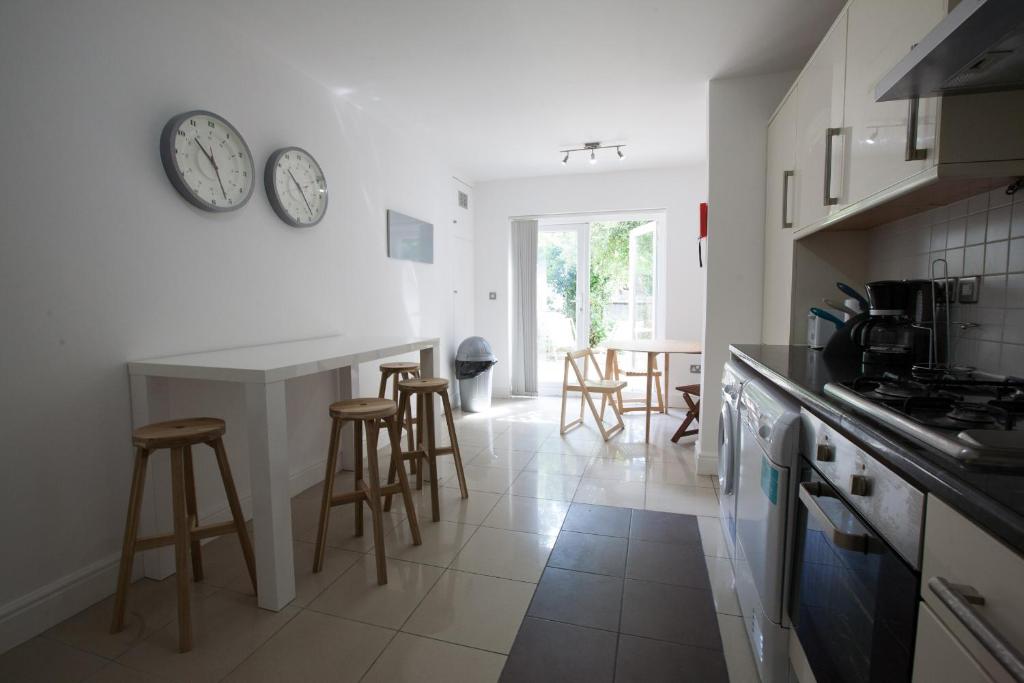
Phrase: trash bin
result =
(473, 363)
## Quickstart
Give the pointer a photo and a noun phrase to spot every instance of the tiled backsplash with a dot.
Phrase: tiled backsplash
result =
(983, 236)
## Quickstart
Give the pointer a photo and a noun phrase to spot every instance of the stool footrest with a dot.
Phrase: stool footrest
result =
(198, 533)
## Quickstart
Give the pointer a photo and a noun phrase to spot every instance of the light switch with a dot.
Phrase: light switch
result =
(492, 295)
(968, 290)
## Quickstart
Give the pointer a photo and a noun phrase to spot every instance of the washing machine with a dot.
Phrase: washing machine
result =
(768, 454)
(734, 376)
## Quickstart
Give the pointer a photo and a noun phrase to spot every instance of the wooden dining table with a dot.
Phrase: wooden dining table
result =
(651, 347)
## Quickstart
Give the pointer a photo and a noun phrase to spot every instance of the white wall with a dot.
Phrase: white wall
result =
(677, 191)
(102, 262)
(738, 113)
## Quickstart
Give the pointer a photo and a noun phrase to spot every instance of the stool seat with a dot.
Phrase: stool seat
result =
(424, 385)
(399, 367)
(178, 433)
(363, 408)
(693, 389)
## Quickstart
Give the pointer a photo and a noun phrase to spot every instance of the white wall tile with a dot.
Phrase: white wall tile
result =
(998, 197)
(993, 291)
(957, 209)
(955, 260)
(1013, 326)
(1012, 360)
(955, 232)
(1014, 291)
(974, 260)
(976, 228)
(995, 257)
(1017, 220)
(998, 224)
(939, 237)
(978, 202)
(1016, 262)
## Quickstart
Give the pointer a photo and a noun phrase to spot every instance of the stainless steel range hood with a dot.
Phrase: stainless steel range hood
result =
(978, 47)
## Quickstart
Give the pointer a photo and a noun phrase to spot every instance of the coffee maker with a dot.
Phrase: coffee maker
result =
(896, 331)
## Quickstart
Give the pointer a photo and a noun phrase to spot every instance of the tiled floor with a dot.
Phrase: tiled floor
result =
(453, 607)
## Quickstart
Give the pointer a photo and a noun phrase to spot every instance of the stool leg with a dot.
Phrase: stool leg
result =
(456, 456)
(131, 530)
(383, 383)
(328, 495)
(435, 503)
(397, 459)
(421, 440)
(193, 516)
(236, 510)
(373, 499)
(357, 433)
(410, 509)
(181, 542)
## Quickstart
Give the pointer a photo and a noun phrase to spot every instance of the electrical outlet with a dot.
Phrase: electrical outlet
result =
(695, 369)
(967, 290)
(492, 295)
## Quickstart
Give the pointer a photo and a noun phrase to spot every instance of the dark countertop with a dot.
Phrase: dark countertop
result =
(993, 501)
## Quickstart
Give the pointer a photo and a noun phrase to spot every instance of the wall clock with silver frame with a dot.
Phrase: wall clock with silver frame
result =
(207, 161)
(296, 187)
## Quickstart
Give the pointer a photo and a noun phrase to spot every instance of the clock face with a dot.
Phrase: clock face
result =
(207, 161)
(296, 187)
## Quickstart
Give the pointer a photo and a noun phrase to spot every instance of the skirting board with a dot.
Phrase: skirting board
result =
(47, 606)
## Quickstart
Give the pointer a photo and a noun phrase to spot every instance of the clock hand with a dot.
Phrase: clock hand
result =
(302, 193)
(216, 169)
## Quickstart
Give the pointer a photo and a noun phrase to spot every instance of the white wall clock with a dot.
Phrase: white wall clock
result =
(296, 187)
(207, 161)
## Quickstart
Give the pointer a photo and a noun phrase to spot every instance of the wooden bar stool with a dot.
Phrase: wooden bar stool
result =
(179, 436)
(423, 389)
(692, 412)
(365, 413)
(399, 371)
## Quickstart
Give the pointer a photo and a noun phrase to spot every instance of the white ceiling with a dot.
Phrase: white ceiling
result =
(506, 84)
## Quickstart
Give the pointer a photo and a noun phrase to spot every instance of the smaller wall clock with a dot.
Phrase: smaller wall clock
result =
(296, 187)
(207, 161)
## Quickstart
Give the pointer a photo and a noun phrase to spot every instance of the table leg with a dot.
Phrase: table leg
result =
(650, 381)
(667, 383)
(147, 395)
(266, 415)
(348, 387)
(428, 362)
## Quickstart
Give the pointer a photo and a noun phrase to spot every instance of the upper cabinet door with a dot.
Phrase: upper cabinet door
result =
(880, 34)
(819, 143)
(779, 221)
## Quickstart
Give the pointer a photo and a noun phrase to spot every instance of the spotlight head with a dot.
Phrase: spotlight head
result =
(618, 150)
(565, 159)
(593, 157)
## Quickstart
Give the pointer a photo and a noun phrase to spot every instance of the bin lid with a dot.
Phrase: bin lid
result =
(475, 349)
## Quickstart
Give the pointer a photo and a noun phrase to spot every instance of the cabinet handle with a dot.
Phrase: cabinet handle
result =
(913, 153)
(960, 600)
(829, 134)
(809, 491)
(786, 175)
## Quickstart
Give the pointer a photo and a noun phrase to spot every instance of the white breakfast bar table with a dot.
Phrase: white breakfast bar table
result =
(652, 347)
(263, 370)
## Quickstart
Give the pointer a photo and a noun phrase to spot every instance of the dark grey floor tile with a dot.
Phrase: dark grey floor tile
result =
(589, 553)
(664, 527)
(550, 651)
(641, 660)
(674, 613)
(681, 565)
(597, 519)
(578, 598)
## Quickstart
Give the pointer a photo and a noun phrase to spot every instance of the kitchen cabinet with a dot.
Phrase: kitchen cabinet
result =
(819, 116)
(780, 211)
(939, 656)
(982, 574)
(879, 34)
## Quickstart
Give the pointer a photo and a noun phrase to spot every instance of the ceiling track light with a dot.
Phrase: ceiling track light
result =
(592, 147)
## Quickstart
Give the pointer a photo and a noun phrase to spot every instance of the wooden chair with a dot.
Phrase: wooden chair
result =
(613, 371)
(179, 436)
(399, 372)
(365, 413)
(423, 390)
(692, 412)
(607, 388)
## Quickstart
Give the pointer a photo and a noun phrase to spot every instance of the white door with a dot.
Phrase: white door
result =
(462, 272)
(880, 34)
(819, 146)
(780, 221)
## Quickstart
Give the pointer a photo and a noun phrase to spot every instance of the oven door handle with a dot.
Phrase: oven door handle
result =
(960, 600)
(810, 491)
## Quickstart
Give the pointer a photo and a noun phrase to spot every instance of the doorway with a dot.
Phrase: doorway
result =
(597, 280)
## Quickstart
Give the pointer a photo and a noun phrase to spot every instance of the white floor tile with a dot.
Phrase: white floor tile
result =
(412, 659)
(510, 460)
(739, 660)
(559, 463)
(506, 554)
(687, 500)
(535, 515)
(712, 537)
(627, 494)
(723, 585)
(616, 470)
(441, 542)
(548, 486)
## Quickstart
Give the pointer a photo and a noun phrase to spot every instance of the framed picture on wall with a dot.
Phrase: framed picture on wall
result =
(409, 238)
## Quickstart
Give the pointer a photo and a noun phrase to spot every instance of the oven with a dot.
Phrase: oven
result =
(856, 566)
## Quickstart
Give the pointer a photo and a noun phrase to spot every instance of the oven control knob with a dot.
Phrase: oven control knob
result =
(825, 453)
(860, 485)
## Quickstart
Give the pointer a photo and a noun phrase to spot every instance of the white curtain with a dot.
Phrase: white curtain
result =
(524, 307)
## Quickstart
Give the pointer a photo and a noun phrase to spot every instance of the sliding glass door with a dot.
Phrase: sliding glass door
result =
(595, 282)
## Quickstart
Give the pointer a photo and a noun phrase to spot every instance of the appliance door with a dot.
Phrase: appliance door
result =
(761, 520)
(727, 468)
(854, 600)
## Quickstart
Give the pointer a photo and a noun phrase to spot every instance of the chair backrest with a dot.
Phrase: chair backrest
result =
(588, 359)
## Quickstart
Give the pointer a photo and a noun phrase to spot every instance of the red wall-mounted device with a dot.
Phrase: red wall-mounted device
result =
(703, 231)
